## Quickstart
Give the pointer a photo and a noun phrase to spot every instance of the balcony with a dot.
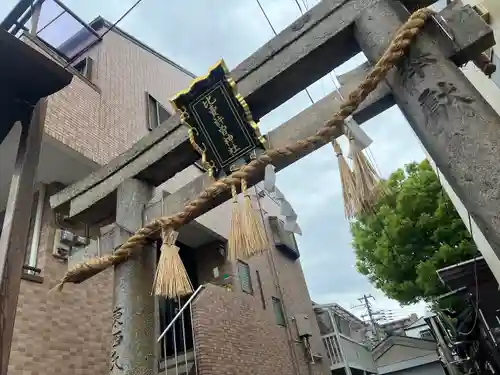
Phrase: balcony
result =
(343, 335)
(344, 352)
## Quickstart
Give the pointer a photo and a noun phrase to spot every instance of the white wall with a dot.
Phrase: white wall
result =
(357, 356)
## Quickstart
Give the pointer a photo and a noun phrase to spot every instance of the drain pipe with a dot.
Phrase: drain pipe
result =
(35, 241)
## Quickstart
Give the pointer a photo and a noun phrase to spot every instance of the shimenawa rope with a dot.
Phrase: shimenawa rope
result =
(192, 210)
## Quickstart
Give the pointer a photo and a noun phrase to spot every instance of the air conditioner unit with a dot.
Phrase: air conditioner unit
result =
(66, 237)
(61, 248)
(283, 240)
(81, 241)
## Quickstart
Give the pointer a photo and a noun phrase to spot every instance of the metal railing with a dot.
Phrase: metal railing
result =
(346, 352)
(333, 349)
(177, 355)
(57, 26)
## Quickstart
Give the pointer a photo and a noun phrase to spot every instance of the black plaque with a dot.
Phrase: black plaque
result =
(220, 122)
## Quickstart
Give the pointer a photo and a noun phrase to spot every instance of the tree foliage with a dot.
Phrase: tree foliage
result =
(413, 231)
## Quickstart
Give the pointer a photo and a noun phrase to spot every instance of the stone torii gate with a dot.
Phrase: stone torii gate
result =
(463, 142)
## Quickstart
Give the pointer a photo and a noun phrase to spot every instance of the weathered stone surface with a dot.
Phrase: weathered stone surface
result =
(456, 125)
(133, 327)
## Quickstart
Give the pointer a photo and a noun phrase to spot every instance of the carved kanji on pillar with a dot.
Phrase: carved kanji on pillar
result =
(116, 331)
(412, 68)
(439, 100)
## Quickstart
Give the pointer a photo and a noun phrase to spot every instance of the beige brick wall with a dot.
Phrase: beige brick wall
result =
(73, 118)
(73, 113)
(104, 117)
(124, 72)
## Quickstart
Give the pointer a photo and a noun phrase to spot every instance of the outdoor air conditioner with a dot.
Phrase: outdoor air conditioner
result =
(66, 237)
(62, 245)
(81, 241)
(283, 240)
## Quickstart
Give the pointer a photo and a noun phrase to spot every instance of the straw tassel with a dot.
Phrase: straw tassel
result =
(349, 193)
(366, 179)
(255, 236)
(236, 240)
(171, 279)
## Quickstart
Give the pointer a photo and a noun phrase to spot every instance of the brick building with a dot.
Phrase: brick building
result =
(249, 318)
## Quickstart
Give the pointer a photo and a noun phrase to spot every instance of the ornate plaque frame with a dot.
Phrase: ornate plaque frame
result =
(221, 126)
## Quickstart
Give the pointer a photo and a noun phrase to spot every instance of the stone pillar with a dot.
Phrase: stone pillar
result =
(133, 330)
(458, 128)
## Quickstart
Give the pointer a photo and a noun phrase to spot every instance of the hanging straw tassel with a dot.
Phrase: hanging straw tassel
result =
(171, 279)
(255, 236)
(349, 193)
(236, 240)
(366, 179)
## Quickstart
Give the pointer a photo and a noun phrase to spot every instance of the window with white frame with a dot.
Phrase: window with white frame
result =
(157, 114)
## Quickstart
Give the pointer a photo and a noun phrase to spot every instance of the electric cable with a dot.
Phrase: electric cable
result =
(275, 33)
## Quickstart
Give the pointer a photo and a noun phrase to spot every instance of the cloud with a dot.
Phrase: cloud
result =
(195, 34)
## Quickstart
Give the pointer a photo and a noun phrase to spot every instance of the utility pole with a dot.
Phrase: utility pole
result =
(366, 304)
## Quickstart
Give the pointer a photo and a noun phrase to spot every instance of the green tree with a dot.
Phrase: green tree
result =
(412, 231)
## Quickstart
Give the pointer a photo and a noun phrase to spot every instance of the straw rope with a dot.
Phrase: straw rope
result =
(192, 210)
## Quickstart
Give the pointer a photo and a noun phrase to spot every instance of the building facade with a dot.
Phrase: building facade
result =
(397, 327)
(252, 317)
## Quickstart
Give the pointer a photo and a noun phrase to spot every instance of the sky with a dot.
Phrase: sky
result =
(196, 34)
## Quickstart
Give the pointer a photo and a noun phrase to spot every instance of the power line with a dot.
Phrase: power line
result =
(267, 18)
(336, 87)
(275, 33)
(122, 17)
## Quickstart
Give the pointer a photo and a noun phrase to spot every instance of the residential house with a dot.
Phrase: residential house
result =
(397, 327)
(419, 329)
(119, 93)
(399, 355)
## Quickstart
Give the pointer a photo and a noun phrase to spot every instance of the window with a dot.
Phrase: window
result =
(278, 312)
(244, 276)
(84, 67)
(343, 326)
(496, 76)
(157, 114)
(262, 298)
